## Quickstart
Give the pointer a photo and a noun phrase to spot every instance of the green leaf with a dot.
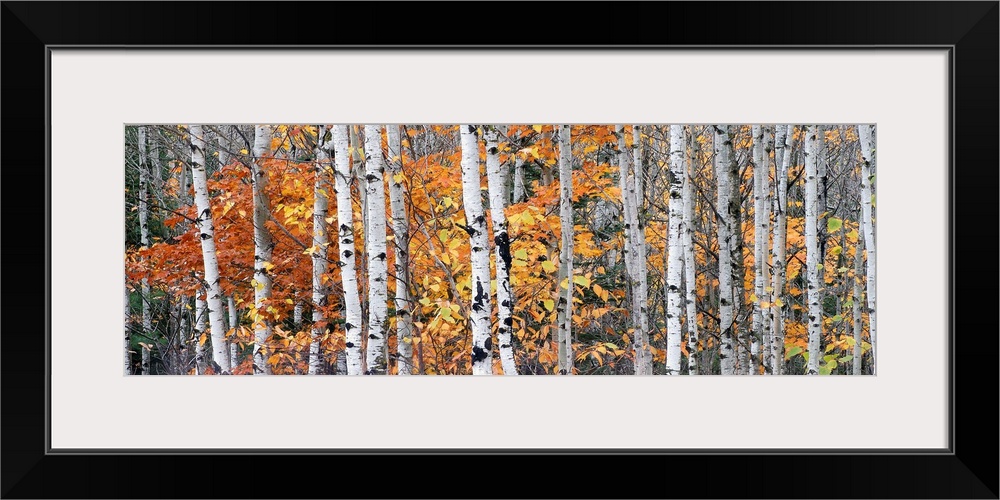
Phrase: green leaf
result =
(833, 224)
(824, 370)
(549, 304)
(838, 318)
(548, 266)
(847, 358)
(521, 254)
(792, 352)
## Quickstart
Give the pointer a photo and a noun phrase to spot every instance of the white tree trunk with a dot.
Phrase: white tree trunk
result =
(502, 256)
(234, 324)
(520, 192)
(867, 136)
(778, 267)
(675, 245)
(815, 316)
(724, 233)
(375, 246)
(263, 246)
(401, 250)
(200, 326)
(566, 248)
(642, 268)
(634, 257)
(147, 313)
(320, 251)
(475, 220)
(762, 226)
(206, 230)
(347, 250)
(128, 335)
(690, 270)
(856, 309)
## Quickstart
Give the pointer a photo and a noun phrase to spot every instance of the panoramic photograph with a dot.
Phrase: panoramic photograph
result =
(499, 249)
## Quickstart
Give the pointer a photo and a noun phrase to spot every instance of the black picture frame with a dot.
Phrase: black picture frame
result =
(969, 30)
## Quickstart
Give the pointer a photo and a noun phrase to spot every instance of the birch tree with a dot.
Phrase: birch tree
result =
(520, 191)
(856, 309)
(200, 329)
(785, 138)
(725, 176)
(206, 232)
(866, 133)
(635, 257)
(675, 249)
(375, 247)
(501, 244)
(234, 324)
(263, 247)
(762, 223)
(475, 225)
(815, 314)
(565, 303)
(401, 251)
(347, 251)
(320, 251)
(147, 316)
(687, 241)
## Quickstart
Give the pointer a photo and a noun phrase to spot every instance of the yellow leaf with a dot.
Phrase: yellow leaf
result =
(228, 207)
(398, 178)
(268, 266)
(243, 213)
(203, 338)
(582, 281)
(537, 128)
(548, 266)
(329, 220)
(289, 301)
(625, 338)
(518, 263)
(778, 302)
(521, 254)
(549, 305)
(244, 151)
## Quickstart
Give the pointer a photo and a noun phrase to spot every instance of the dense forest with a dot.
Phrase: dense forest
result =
(499, 249)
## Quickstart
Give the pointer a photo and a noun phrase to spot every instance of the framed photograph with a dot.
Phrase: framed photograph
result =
(237, 92)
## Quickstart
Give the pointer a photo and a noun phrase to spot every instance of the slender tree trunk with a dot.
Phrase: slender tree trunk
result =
(200, 327)
(501, 241)
(762, 226)
(690, 270)
(740, 332)
(401, 250)
(867, 135)
(642, 268)
(724, 231)
(815, 348)
(347, 250)
(375, 246)
(234, 324)
(779, 268)
(634, 257)
(147, 313)
(675, 250)
(320, 252)
(206, 230)
(263, 247)
(520, 191)
(566, 248)
(475, 220)
(856, 308)
(128, 335)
